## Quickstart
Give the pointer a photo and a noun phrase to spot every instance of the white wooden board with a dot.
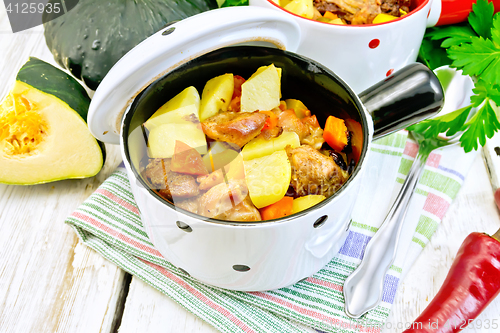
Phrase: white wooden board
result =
(472, 210)
(49, 282)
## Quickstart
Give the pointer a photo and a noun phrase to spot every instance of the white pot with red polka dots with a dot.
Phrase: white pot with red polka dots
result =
(364, 54)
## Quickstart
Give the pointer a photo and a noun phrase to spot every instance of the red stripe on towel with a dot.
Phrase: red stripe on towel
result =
(433, 160)
(436, 205)
(200, 296)
(118, 200)
(324, 318)
(325, 284)
(116, 234)
(411, 149)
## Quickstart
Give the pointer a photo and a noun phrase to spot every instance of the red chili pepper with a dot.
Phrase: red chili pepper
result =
(471, 284)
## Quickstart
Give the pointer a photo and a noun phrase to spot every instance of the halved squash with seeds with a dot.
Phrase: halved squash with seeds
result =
(43, 134)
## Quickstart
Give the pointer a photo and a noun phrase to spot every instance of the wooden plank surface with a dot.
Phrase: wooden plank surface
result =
(49, 281)
(472, 210)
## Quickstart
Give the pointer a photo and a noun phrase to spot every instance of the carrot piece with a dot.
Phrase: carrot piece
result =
(238, 81)
(187, 160)
(278, 209)
(335, 133)
(356, 138)
(271, 121)
(235, 104)
(330, 15)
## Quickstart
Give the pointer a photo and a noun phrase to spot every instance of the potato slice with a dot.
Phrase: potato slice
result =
(182, 115)
(220, 154)
(161, 139)
(303, 8)
(262, 90)
(259, 146)
(188, 99)
(300, 109)
(302, 203)
(216, 95)
(268, 178)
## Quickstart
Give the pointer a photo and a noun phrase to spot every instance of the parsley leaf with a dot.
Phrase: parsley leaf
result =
(495, 30)
(449, 123)
(481, 18)
(482, 125)
(231, 3)
(483, 90)
(432, 55)
(474, 48)
(452, 35)
(479, 58)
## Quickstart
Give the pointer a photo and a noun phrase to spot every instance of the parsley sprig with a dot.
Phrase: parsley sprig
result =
(231, 3)
(474, 48)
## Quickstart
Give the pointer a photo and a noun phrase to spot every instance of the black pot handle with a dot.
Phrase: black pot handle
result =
(408, 96)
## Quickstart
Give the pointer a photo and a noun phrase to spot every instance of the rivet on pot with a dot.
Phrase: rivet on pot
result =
(183, 271)
(241, 268)
(303, 279)
(168, 31)
(183, 226)
(319, 222)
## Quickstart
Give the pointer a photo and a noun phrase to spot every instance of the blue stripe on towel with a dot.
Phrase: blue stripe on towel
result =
(354, 245)
(390, 286)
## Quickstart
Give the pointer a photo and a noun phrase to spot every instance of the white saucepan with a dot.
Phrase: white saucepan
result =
(253, 255)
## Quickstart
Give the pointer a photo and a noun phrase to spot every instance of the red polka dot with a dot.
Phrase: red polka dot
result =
(389, 72)
(374, 43)
(428, 13)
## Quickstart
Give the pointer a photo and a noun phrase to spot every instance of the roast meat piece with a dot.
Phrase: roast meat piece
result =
(228, 201)
(191, 204)
(244, 211)
(210, 180)
(392, 7)
(234, 127)
(313, 172)
(362, 11)
(171, 185)
(289, 122)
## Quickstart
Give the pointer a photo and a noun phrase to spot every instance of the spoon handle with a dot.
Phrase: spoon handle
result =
(363, 288)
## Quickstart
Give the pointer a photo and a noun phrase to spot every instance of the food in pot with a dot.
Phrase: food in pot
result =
(256, 157)
(354, 12)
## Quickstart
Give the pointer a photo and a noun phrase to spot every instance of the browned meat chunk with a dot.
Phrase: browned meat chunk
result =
(362, 11)
(191, 204)
(392, 7)
(234, 127)
(325, 6)
(368, 11)
(289, 122)
(228, 202)
(244, 211)
(171, 185)
(313, 172)
(210, 180)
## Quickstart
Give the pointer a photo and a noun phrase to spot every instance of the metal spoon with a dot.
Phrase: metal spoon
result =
(363, 288)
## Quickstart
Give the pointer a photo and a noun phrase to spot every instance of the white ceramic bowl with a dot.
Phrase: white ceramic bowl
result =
(362, 54)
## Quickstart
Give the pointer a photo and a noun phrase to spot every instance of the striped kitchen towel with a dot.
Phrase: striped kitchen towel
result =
(109, 222)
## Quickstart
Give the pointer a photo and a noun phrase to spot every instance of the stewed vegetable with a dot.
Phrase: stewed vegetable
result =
(242, 153)
(355, 12)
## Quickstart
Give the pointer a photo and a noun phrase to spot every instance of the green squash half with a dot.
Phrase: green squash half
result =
(94, 34)
(43, 134)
